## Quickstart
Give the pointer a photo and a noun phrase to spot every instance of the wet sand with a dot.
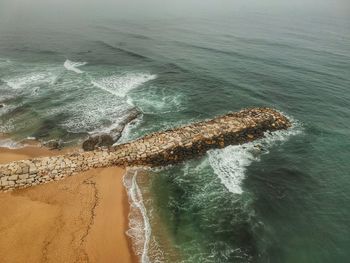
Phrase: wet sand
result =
(82, 218)
(8, 155)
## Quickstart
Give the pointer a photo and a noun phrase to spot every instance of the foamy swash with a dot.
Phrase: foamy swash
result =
(140, 228)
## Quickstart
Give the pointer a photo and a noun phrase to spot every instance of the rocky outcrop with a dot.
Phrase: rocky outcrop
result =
(97, 141)
(116, 133)
(53, 144)
(102, 140)
(160, 148)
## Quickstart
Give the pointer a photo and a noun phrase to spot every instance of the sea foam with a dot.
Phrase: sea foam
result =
(29, 79)
(230, 164)
(140, 230)
(74, 66)
(90, 114)
(102, 113)
(158, 102)
(10, 144)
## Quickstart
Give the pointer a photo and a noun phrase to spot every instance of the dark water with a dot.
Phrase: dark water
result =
(289, 203)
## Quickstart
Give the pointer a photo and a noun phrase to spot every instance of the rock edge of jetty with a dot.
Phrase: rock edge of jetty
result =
(157, 149)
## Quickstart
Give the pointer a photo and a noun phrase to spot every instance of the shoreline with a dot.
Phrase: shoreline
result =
(81, 218)
(27, 149)
(126, 209)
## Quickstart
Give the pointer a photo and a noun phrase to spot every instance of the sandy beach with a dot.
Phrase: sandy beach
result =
(82, 218)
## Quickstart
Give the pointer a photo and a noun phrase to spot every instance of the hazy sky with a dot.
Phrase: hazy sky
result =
(12, 10)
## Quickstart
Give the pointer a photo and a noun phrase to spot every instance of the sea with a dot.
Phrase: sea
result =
(288, 203)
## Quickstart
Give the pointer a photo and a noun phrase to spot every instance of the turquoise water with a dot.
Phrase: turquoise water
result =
(289, 203)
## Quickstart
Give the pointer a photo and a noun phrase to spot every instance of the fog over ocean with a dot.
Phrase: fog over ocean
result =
(72, 69)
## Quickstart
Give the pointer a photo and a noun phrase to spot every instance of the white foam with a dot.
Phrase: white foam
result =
(94, 114)
(157, 102)
(108, 129)
(74, 66)
(127, 132)
(5, 109)
(29, 79)
(8, 143)
(101, 113)
(121, 85)
(8, 126)
(35, 91)
(230, 164)
(140, 230)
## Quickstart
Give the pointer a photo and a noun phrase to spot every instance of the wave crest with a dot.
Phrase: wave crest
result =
(121, 85)
(74, 66)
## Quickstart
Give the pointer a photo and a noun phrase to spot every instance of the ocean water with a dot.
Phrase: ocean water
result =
(287, 203)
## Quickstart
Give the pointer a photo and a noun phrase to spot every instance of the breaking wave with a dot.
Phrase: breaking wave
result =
(230, 164)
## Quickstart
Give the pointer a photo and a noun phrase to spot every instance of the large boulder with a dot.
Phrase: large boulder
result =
(54, 144)
(116, 133)
(93, 142)
(101, 140)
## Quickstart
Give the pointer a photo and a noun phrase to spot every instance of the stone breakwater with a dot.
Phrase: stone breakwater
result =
(157, 149)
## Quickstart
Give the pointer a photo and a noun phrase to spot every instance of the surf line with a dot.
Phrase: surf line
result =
(136, 199)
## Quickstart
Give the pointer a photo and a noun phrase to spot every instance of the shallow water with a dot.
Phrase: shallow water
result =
(286, 203)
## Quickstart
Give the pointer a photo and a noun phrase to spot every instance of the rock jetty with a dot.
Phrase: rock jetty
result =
(157, 149)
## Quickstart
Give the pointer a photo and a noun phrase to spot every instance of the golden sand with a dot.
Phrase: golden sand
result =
(82, 218)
